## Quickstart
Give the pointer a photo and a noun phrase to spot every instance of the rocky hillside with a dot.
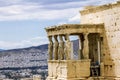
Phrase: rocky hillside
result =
(28, 57)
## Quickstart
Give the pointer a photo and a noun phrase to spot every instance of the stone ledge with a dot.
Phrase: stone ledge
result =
(57, 61)
(51, 78)
(69, 69)
(75, 29)
(99, 8)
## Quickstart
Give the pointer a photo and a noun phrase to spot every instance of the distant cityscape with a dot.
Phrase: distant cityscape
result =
(23, 63)
(23, 59)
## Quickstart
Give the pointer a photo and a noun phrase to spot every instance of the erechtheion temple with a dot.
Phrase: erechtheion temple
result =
(99, 46)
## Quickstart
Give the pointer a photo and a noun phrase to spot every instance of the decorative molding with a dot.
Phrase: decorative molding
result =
(75, 29)
(99, 8)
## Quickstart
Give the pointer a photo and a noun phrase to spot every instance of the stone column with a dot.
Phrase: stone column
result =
(56, 45)
(86, 46)
(80, 48)
(50, 48)
(80, 51)
(67, 48)
(101, 48)
(98, 47)
(61, 48)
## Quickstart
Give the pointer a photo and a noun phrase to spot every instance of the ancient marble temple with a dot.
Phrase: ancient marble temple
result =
(99, 46)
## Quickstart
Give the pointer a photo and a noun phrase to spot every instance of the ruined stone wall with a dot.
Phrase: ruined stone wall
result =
(111, 19)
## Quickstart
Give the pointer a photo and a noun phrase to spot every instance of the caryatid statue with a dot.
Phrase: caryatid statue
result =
(86, 46)
(61, 48)
(67, 47)
(50, 48)
(56, 45)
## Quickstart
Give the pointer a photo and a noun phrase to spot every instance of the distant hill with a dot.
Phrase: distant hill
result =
(41, 47)
(28, 57)
(1, 49)
(34, 56)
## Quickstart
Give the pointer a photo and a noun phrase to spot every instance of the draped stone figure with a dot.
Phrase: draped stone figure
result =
(61, 48)
(56, 45)
(86, 46)
(67, 48)
(50, 48)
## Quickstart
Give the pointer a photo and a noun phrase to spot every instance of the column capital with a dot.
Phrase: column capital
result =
(67, 37)
(60, 37)
(86, 34)
(55, 38)
(50, 38)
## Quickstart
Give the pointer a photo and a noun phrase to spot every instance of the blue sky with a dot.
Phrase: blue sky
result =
(22, 22)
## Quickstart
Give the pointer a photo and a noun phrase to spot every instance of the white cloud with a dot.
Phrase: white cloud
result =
(75, 18)
(78, 4)
(101, 2)
(29, 10)
(4, 2)
(25, 43)
(21, 12)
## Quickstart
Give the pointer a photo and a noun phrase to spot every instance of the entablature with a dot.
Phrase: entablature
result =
(75, 29)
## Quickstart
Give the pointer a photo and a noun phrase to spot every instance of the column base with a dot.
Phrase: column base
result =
(90, 78)
(68, 69)
(52, 78)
